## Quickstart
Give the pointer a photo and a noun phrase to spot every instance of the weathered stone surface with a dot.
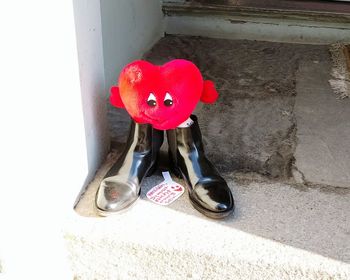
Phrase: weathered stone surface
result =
(251, 126)
(256, 136)
(323, 121)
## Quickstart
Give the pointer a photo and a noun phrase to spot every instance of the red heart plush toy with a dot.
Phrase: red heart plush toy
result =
(164, 96)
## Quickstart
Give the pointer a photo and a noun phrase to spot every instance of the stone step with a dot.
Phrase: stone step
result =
(331, 11)
(279, 231)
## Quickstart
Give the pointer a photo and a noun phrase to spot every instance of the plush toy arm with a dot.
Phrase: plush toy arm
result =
(209, 94)
(115, 97)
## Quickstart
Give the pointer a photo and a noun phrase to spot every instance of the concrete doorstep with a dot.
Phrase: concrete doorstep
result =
(279, 231)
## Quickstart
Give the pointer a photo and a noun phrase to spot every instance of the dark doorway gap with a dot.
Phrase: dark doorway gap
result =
(341, 7)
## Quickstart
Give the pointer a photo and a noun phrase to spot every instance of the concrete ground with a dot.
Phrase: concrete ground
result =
(278, 231)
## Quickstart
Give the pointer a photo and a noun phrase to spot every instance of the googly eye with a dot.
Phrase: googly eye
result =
(168, 100)
(151, 101)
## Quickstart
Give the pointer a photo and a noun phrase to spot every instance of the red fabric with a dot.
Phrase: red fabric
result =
(180, 79)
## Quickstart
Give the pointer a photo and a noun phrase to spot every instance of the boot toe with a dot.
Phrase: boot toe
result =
(214, 199)
(113, 197)
(222, 207)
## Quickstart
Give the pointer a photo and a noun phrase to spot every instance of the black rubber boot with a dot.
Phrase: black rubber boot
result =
(208, 191)
(121, 186)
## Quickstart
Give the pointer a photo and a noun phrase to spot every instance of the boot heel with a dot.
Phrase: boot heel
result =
(208, 191)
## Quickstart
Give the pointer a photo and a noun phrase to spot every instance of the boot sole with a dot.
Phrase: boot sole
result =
(211, 214)
(204, 211)
(103, 213)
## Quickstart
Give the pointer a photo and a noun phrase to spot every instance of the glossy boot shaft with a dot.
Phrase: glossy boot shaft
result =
(208, 191)
(121, 186)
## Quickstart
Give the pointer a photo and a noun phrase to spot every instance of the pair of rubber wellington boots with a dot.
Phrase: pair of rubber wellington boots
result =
(121, 187)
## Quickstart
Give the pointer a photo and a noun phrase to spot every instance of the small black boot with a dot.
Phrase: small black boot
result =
(208, 191)
(121, 186)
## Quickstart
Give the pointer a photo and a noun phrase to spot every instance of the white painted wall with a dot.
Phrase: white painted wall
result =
(129, 28)
(110, 34)
(53, 116)
(87, 14)
(43, 143)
